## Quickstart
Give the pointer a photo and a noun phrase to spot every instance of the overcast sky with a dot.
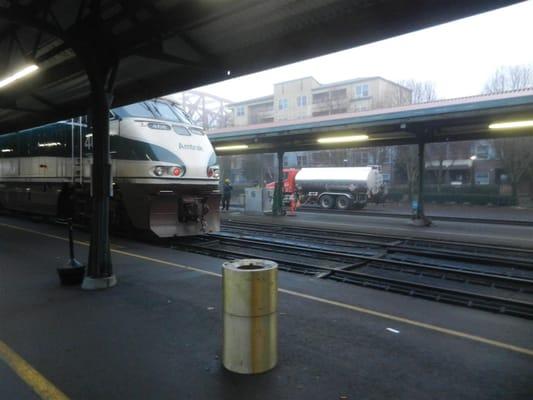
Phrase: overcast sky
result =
(458, 57)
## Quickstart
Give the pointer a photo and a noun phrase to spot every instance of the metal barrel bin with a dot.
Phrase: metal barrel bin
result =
(250, 291)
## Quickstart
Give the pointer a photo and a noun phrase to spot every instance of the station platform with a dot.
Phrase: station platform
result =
(494, 213)
(466, 232)
(503, 214)
(157, 334)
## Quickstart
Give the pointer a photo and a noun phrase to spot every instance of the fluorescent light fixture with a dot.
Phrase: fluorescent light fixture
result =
(343, 139)
(18, 75)
(7, 150)
(512, 125)
(234, 147)
(474, 157)
(50, 144)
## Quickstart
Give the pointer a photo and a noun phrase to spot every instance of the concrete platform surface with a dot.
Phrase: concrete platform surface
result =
(157, 334)
(511, 213)
(499, 235)
(515, 213)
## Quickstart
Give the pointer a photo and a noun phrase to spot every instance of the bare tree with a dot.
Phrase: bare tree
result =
(406, 163)
(439, 153)
(512, 77)
(516, 155)
(382, 154)
(421, 91)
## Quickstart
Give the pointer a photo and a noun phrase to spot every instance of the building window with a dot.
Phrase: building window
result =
(301, 161)
(361, 90)
(482, 151)
(362, 158)
(301, 101)
(320, 98)
(339, 94)
(386, 177)
(283, 104)
(388, 155)
(236, 162)
(482, 178)
(240, 111)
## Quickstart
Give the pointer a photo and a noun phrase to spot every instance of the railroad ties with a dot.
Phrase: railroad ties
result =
(492, 278)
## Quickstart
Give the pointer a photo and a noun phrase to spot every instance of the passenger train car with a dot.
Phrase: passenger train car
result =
(165, 177)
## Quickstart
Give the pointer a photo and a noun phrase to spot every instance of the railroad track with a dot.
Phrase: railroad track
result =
(455, 250)
(383, 214)
(382, 263)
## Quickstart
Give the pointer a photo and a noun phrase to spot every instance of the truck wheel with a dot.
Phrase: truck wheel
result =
(343, 202)
(327, 201)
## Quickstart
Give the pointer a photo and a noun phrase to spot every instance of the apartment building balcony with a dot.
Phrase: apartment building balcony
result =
(258, 117)
(330, 105)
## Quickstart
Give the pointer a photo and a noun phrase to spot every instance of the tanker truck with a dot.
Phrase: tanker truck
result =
(342, 188)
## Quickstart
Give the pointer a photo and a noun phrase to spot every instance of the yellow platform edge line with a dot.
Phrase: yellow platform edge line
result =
(446, 331)
(38, 383)
(390, 317)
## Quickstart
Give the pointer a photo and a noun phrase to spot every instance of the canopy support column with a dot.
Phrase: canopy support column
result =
(277, 205)
(100, 269)
(419, 216)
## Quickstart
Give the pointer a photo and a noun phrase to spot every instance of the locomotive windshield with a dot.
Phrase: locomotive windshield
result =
(155, 109)
(164, 111)
(181, 114)
(135, 110)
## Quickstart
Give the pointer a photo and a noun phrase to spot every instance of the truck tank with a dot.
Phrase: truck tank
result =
(342, 187)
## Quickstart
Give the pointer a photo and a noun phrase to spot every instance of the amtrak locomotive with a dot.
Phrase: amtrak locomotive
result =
(165, 176)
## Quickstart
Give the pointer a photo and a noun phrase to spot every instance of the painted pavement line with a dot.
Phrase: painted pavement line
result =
(362, 310)
(37, 382)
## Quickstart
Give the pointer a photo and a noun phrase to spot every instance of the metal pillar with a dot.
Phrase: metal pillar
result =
(419, 217)
(277, 205)
(100, 270)
(473, 174)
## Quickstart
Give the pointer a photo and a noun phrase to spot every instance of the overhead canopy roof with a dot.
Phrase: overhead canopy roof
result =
(165, 46)
(446, 120)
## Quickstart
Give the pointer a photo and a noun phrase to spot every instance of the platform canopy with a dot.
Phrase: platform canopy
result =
(165, 46)
(477, 117)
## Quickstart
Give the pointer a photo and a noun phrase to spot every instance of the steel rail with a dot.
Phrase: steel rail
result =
(489, 302)
(280, 228)
(457, 271)
(400, 246)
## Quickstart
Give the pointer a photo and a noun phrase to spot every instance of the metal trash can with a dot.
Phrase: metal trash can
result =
(250, 290)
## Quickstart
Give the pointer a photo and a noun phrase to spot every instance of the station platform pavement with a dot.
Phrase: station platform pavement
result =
(157, 334)
(465, 232)
(403, 210)
(505, 213)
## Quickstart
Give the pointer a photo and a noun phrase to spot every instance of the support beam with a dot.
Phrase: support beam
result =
(100, 270)
(277, 205)
(419, 217)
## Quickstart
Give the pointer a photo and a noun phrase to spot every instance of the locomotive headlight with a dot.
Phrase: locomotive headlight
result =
(169, 171)
(213, 171)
